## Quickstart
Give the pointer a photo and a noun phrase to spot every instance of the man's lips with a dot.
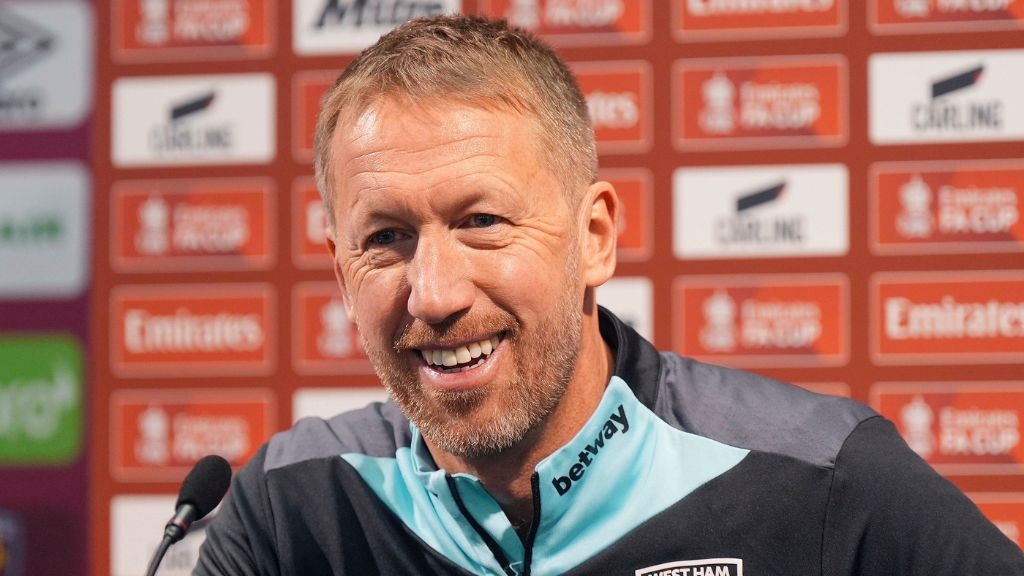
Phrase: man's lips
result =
(462, 357)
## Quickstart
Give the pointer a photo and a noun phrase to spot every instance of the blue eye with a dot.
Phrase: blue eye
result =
(384, 237)
(484, 220)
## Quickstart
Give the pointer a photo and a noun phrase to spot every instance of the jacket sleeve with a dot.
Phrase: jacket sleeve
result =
(239, 541)
(890, 513)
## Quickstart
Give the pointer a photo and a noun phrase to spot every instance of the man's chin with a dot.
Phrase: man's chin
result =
(469, 443)
(470, 431)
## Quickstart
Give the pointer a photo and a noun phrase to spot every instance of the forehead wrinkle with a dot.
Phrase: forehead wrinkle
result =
(383, 155)
(380, 177)
(459, 148)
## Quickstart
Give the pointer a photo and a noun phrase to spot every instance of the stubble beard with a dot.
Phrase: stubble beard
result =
(489, 420)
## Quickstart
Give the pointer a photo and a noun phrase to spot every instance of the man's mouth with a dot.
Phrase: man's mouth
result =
(462, 358)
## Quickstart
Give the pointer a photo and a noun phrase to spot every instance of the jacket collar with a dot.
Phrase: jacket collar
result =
(636, 360)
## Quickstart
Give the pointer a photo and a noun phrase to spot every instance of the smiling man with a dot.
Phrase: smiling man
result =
(532, 432)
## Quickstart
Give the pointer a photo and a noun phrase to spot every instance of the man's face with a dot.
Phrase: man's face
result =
(459, 260)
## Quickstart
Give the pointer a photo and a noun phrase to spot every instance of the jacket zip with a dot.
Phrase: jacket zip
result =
(534, 524)
(496, 550)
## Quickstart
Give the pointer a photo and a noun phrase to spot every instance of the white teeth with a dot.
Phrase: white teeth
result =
(460, 355)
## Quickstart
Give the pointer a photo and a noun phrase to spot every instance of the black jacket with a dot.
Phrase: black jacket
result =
(685, 469)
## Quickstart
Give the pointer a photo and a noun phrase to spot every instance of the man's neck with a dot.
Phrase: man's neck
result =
(508, 475)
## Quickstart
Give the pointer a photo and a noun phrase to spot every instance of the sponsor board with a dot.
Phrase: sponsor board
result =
(934, 97)
(957, 317)
(41, 399)
(620, 104)
(927, 16)
(152, 30)
(322, 27)
(193, 120)
(635, 188)
(763, 320)
(1005, 510)
(158, 435)
(328, 402)
(958, 427)
(759, 211)
(12, 544)
(730, 20)
(770, 102)
(327, 342)
(947, 207)
(192, 330)
(309, 225)
(577, 22)
(45, 234)
(135, 521)
(181, 225)
(308, 88)
(46, 64)
(632, 300)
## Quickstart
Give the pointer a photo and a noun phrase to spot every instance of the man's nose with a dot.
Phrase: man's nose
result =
(439, 281)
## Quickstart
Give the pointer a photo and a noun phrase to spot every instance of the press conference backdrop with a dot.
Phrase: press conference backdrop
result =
(824, 191)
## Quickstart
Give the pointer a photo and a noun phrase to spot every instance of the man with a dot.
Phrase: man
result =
(532, 432)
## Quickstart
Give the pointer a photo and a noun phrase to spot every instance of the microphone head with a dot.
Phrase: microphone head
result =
(205, 485)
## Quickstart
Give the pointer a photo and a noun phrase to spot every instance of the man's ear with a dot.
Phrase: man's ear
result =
(332, 248)
(600, 211)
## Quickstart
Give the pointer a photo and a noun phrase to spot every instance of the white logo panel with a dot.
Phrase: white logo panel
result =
(135, 533)
(44, 229)
(631, 299)
(46, 64)
(327, 402)
(349, 26)
(968, 96)
(190, 120)
(755, 211)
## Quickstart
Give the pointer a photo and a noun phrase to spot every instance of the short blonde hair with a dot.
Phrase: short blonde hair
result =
(474, 61)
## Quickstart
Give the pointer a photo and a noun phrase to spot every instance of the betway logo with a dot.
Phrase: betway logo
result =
(616, 423)
(360, 13)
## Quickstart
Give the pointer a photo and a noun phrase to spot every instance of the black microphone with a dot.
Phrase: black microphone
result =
(202, 490)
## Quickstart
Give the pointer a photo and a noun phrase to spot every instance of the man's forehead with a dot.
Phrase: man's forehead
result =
(395, 115)
(418, 133)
